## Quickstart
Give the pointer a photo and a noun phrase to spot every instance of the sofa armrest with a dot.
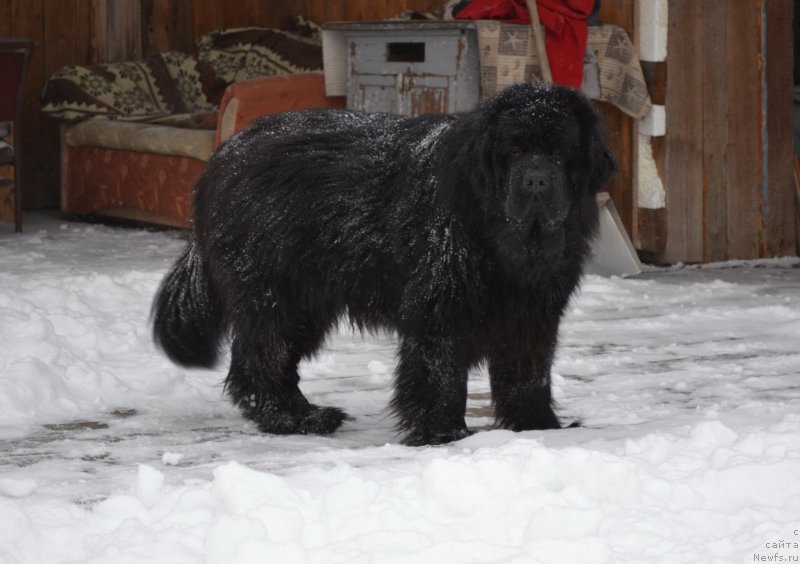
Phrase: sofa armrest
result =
(246, 100)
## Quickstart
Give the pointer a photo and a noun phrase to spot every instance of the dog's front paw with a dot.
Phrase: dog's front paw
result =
(311, 421)
(426, 437)
(322, 421)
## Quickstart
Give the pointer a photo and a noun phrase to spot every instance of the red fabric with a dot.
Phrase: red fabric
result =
(511, 11)
(566, 31)
(565, 26)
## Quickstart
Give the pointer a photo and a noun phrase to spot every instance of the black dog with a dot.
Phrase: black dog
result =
(465, 233)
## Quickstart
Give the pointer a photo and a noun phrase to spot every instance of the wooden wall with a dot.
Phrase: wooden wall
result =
(729, 178)
(725, 161)
(349, 10)
(62, 32)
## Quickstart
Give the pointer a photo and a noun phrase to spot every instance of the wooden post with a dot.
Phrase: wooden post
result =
(117, 33)
(538, 38)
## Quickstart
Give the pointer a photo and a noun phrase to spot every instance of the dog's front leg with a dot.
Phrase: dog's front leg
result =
(520, 380)
(430, 395)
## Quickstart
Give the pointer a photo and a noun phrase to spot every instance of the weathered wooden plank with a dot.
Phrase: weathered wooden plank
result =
(652, 233)
(65, 41)
(240, 14)
(278, 14)
(744, 127)
(8, 186)
(392, 8)
(183, 26)
(619, 12)
(336, 11)
(358, 10)
(82, 34)
(694, 199)
(98, 29)
(622, 128)
(65, 33)
(419, 6)
(715, 155)
(266, 14)
(343, 10)
(115, 31)
(28, 21)
(208, 16)
(5, 17)
(620, 140)
(316, 10)
(633, 232)
(124, 40)
(158, 18)
(684, 173)
(354, 9)
(655, 76)
(779, 235)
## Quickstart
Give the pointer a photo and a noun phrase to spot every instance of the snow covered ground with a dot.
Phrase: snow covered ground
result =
(687, 382)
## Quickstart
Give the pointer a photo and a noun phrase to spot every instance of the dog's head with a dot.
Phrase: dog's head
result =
(538, 157)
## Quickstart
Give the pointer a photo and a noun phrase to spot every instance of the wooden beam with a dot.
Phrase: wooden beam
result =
(744, 130)
(5, 17)
(620, 13)
(620, 138)
(779, 204)
(183, 26)
(684, 171)
(208, 17)
(157, 19)
(655, 76)
(124, 39)
(621, 128)
(316, 10)
(28, 21)
(714, 95)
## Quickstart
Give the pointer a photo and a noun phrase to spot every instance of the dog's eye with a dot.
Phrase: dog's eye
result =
(515, 150)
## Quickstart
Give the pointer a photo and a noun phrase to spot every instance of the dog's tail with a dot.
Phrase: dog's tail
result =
(187, 315)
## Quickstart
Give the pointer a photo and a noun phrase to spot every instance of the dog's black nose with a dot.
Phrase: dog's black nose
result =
(538, 182)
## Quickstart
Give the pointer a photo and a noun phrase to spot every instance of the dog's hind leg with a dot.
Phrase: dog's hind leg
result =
(263, 383)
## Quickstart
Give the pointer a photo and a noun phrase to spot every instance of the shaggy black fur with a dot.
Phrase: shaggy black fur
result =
(465, 233)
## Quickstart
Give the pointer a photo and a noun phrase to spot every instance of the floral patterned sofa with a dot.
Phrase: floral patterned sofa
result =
(135, 136)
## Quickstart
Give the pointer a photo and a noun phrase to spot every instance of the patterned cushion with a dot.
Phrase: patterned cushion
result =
(170, 83)
(244, 53)
(159, 86)
(198, 87)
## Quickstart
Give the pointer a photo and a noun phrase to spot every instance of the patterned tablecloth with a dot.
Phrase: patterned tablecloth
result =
(612, 72)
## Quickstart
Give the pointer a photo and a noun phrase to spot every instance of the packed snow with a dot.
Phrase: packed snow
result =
(686, 382)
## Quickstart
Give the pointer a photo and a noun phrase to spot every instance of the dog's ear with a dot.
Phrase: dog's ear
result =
(596, 165)
(604, 165)
(467, 170)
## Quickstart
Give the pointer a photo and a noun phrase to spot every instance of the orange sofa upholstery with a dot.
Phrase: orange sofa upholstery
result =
(147, 171)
